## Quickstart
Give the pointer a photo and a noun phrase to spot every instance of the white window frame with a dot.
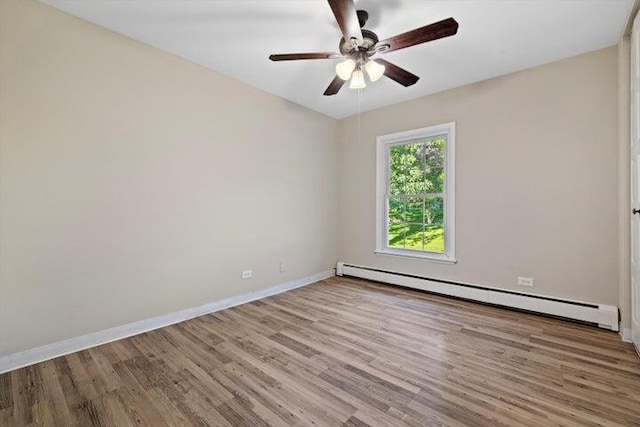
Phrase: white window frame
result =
(383, 144)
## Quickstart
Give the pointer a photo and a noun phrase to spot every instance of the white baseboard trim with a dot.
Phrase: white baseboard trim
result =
(605, 316)
(49, 351)
(625, 333)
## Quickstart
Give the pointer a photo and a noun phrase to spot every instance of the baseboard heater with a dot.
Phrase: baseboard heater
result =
(604, 316)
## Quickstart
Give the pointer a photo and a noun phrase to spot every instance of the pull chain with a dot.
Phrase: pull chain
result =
(359, 112)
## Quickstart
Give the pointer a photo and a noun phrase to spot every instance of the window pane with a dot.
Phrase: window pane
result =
(396, 233)
(434, 238)
(396, 210)
(434, 210)
(434, 165)
(434, 224)
(414, 210)
(415, 183)
(397, 169)
(415, 237)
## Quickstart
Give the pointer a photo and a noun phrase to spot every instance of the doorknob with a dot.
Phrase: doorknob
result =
(636, 211)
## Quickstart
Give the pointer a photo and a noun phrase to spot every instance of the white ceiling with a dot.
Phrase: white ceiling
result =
(235, 38)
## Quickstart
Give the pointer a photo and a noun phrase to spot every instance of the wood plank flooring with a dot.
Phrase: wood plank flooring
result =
(340, 352)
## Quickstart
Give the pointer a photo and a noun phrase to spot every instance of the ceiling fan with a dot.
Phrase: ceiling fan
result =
(358, 45)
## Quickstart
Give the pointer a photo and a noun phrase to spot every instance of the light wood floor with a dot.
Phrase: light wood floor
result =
(340, 352)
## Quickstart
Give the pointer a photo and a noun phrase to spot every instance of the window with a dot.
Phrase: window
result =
(415, 193)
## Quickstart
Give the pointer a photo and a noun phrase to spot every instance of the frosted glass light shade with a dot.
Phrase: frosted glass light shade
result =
(374, 69)
(345, 68)
(357, 80)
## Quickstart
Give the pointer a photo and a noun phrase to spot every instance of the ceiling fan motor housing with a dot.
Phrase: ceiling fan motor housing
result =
(369, 40)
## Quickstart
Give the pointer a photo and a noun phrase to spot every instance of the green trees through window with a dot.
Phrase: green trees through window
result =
(415, 195)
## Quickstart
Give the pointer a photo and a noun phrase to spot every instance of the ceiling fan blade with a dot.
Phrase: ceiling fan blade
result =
(398, 74)
(435, 31)
(335, 86)
(310, 55)
(347, 18)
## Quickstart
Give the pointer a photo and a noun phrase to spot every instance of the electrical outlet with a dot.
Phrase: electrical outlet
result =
(247, 274)
(282, 267)
(525, 281)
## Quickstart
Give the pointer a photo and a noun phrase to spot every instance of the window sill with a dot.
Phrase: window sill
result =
(426, 257)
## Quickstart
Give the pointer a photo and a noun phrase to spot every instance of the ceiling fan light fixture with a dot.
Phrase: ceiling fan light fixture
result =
(357, 80)
(345, 68)
(374, 70)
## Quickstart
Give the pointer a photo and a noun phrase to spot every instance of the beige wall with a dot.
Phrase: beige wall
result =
(536, 184)
(134, 183)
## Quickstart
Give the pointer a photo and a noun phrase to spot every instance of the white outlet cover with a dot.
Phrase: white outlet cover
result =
(525, 281)
(247, 274)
